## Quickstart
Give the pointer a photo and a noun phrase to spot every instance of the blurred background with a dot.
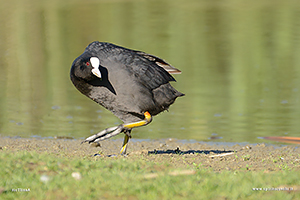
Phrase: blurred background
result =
(240, 63)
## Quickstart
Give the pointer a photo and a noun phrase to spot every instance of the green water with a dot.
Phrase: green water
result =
(240, 63)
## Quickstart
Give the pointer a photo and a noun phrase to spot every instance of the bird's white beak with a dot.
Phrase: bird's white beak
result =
(95, 64)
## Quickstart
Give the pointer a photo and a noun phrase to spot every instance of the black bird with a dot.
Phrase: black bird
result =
(133, 85)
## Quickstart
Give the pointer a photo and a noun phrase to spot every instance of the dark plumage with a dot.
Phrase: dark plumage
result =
(126, 82)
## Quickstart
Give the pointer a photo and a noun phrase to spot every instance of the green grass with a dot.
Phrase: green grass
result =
(122, 178)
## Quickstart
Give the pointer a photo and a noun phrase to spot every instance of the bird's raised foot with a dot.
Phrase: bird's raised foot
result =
(126, 128)
(106, 133)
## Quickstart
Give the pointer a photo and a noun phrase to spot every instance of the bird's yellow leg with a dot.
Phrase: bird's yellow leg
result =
(125, 143)
(147, 120)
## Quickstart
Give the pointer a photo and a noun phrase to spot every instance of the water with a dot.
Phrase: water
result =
(240, 62)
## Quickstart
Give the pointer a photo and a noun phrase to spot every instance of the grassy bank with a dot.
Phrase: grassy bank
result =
(53, 176)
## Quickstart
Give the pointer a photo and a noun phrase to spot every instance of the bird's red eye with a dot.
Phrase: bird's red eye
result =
(87, 63)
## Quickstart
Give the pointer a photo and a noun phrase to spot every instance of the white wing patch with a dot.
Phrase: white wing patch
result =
(95, 64)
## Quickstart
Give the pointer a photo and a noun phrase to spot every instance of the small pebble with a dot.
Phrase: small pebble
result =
(247, 147)
(44, 178)
(162, 145)
(76, 175)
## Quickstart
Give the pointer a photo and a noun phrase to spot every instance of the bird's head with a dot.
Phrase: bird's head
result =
(86, 67)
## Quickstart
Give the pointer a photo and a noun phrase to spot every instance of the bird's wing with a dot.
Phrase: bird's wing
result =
(147, 69)
(160, 62)
(150, 70)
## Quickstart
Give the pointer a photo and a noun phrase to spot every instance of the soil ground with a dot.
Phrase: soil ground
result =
(216, 157)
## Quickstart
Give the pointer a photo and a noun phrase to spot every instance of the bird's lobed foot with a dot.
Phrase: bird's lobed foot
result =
(106, 133)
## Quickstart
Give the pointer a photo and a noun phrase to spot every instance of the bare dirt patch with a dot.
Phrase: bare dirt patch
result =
(216, 157)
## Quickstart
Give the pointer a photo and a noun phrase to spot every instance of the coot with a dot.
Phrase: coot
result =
(132, 84)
